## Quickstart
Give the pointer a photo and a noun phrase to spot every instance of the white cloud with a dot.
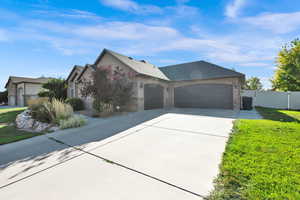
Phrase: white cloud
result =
(73, 14)
(233, 9)
(276, 22)
(131, 6)
(255, 64)
(126, 30)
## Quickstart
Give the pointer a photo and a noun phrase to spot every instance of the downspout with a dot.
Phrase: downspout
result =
(24, 103)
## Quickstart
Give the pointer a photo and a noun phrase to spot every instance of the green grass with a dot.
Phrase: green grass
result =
(8, 132)
(262, 159)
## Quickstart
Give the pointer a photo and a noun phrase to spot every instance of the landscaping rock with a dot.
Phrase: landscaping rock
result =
(54, 128)
(40, 126)
(26, 122)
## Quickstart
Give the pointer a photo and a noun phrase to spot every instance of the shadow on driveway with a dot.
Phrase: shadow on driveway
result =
(28, 157)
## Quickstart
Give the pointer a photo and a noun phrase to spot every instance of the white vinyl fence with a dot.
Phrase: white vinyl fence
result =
(272, 99)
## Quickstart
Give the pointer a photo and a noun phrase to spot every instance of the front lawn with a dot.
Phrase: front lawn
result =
(262, 158)
(8, 132)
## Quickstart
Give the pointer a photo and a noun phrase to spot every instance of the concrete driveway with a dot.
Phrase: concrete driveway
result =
(153, 154)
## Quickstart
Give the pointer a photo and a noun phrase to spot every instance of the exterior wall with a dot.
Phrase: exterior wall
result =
(273, 99)
(31, 91)
(20, 93)
(11, 94)
(235, 82)
(73, 90)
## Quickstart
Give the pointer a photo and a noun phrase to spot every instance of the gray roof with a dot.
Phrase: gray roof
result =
(77, 68)
(18, 79)
(198, 70)
(141, 67)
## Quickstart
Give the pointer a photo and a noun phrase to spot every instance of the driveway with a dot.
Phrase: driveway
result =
(153, 154)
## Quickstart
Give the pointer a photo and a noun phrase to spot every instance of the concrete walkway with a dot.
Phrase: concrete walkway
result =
(155, 154)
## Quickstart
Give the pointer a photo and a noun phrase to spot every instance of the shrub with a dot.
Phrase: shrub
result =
(55, 88)
(102, 107)
(76, 103)
(38, 110)
(4, 97)
(50, 112)
(40, 113)
(60, 110)
(72, 122)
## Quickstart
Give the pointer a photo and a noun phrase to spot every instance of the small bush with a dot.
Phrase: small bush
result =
(102, 107)
(38, 110)
(50, 112)
(61, 110)
(76, 103)
(72, 122)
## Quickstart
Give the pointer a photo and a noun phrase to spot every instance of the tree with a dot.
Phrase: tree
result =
(253, 83)
(287, 74)
(108, 87)
(4, 97)
(55, 88)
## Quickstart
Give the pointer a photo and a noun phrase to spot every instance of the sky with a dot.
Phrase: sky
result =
(48, 37)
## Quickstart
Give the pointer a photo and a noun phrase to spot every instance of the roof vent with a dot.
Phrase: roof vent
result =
(130, 58)
(144, 61)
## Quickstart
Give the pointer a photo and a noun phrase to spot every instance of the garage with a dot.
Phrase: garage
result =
(204, 96)
(153, 96)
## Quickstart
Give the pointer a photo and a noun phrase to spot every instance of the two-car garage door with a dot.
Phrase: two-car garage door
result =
(204, 96)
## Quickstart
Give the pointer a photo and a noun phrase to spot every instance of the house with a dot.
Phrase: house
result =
(21, 89)
(189, 85)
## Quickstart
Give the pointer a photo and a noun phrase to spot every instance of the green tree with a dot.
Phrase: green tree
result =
(287, 74)
(4, 97)
(109, 87)
(253, 83)
(55, 88)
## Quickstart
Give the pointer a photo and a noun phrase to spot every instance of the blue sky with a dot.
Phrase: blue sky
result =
(48, 37)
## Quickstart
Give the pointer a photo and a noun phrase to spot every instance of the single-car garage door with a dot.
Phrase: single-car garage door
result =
(204, 96)
(153, 96)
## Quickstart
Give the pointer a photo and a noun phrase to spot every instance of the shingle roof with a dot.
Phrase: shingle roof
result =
(197, 70)
(16, 79)
(76, 67)
(84, 69)
(141, 67)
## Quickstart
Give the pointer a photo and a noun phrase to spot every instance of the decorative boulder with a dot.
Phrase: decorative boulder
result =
(40, 126)
(26, 122)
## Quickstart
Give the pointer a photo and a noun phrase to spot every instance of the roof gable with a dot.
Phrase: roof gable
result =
(198, 70)
(76, 68)
(16, 80)
(141, 67)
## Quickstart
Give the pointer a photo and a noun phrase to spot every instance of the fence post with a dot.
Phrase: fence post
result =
(289, 99)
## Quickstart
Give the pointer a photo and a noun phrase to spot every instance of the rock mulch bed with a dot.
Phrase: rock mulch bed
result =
(25, 122)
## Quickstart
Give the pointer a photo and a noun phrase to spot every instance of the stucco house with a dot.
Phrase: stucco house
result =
(21, 89)
(189, 85)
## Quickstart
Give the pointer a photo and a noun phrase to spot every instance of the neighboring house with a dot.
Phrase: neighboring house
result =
(189, 85)
(21, 89)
